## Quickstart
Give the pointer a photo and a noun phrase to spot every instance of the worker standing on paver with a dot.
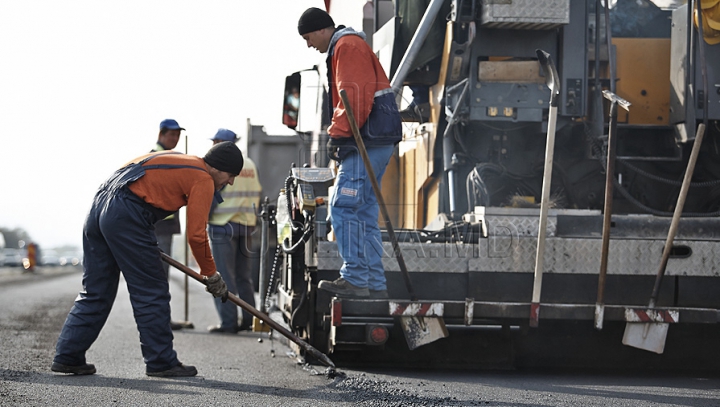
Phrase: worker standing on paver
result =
(119, 236)
(230, 227)
(354, 209)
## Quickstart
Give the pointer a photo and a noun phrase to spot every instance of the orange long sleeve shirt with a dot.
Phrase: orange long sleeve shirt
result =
(356, 69)
(171, 189)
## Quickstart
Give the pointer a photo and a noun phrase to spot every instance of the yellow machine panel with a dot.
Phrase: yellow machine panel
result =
(643, 69)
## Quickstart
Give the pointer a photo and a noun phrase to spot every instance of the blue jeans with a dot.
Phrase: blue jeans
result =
(354, 215)
(234, 261)
(119, 235)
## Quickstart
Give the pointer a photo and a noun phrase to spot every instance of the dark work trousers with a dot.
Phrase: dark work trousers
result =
(234, 260)
(165, 244)
(164, 231)
(119, 236)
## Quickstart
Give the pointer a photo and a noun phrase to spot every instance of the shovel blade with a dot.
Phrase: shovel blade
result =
(648, 336)
(420, 331)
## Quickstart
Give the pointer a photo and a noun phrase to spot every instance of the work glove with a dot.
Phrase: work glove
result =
(216, 286)
(338, 149)
(332, 150)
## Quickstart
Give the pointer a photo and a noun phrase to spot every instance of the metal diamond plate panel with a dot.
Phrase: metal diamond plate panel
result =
(419, 257)
(522, 221)
(582, 256)
(518, 225)
(527, 14)
(562, 255)
(328, 257)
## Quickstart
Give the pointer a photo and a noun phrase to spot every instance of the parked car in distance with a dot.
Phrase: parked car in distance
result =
(13, 257)
(70, 259)
(50, 259)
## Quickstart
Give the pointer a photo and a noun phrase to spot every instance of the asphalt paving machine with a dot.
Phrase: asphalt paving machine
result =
(516, 283)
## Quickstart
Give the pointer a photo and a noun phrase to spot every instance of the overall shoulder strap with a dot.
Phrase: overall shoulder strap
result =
(166, 166)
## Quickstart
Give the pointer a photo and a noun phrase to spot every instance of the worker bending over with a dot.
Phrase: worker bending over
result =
(119, 236)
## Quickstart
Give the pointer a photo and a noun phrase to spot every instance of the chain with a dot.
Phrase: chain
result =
(271, 281)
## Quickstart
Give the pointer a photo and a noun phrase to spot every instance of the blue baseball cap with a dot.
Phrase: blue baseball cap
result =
(170, 124)
(225, 135)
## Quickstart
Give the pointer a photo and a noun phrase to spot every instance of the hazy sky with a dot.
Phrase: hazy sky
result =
(85, 84)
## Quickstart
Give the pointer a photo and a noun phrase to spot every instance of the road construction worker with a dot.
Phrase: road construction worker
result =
(165, 228)
(31, 257)
(230, 228)
(354, 209)
(119, 236)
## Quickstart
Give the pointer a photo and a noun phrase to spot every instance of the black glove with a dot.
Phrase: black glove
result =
(332, 150)
(338, 149)
(216, 286)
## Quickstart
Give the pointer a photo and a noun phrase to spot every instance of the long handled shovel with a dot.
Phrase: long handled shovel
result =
(257, 314)
(553, 82)
(651, 335)
(615, 101)
(418, 330)
(186, 324)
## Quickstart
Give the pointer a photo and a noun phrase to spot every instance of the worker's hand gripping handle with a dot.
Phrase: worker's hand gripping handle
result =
(216, 286)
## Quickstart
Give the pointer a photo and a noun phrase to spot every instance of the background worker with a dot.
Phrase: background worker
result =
(230, 227)
(165, 228)
(32, 256)
(169, 135)
(354, 209)
(119, 236)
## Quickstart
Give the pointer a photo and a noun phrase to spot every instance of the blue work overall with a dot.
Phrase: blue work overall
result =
(354, 214)
(119, 235)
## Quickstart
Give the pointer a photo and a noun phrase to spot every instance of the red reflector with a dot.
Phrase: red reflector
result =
(379, 334)
(336, 312)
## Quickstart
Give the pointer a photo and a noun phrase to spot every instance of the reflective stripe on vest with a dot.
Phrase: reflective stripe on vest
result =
(239, 199)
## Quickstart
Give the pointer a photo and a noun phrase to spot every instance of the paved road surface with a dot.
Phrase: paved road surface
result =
(237, 370)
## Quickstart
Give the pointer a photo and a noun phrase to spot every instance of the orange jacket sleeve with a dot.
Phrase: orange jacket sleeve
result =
(198, 207)
(353, 69)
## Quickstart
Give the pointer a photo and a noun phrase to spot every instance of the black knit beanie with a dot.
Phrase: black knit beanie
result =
(225, 156)
(314, 19)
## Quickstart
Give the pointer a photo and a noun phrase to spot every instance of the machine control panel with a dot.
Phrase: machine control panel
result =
(313, 175)
(306, 197)
(312, 183)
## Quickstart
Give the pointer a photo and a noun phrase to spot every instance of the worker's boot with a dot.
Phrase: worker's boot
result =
(245, 326)
(219, 329)
(342, 288)
(74, 369)
(175, 371)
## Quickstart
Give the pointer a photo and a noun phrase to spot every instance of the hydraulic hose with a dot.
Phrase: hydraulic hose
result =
(626, 194)
(303, 300)
(288, 201)
(305, 236)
